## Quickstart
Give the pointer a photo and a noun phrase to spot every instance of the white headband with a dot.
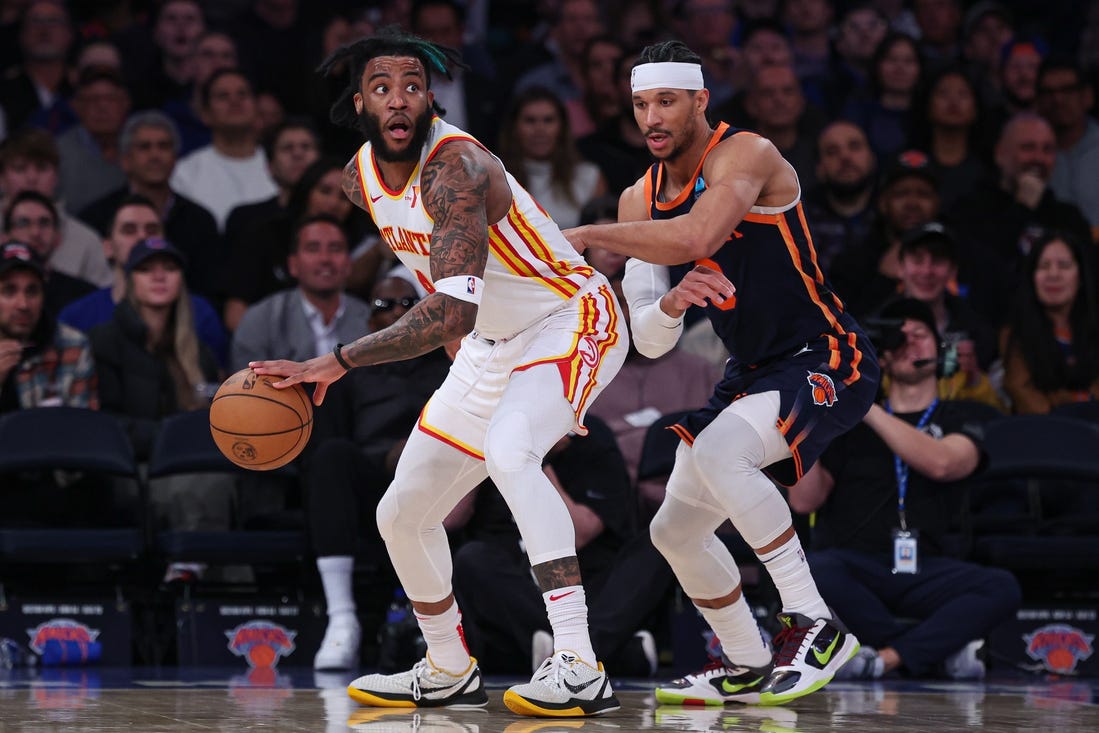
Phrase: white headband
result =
(666, 75)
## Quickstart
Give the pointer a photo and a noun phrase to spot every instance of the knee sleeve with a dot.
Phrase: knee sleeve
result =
(430, 481)
(729, 455)
(684, 535)
(514, 449)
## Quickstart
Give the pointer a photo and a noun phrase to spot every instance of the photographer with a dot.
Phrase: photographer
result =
(884, 493)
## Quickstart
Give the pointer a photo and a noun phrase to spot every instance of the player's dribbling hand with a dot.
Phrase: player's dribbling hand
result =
(322, 370)
(701, 286)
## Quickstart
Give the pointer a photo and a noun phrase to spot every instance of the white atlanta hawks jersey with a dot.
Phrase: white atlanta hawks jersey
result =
(532, 269)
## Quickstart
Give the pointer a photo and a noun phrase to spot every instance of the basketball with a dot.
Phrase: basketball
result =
(257, 426)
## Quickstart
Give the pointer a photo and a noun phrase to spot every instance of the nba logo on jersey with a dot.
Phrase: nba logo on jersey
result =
(471, 285)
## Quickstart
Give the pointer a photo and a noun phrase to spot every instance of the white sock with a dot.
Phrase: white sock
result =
(789, 571)
(738, 632)
(335, 573)
(446, 645)
(567, 609)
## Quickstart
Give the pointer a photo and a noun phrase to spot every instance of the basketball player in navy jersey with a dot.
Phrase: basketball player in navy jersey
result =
(717, 223)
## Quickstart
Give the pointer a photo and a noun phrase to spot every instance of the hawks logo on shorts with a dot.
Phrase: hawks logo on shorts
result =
(589, 352)
(824, 389)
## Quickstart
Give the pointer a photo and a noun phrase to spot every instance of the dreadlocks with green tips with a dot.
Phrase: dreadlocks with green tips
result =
(389, 41)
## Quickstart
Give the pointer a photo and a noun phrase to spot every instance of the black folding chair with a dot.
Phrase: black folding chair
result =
(47, 439)
(1086, 411)
(1055, 461)
(184, 445)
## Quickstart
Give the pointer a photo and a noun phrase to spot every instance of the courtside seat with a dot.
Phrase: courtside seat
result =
(184, 445)
(1037, 505)
(83, 443)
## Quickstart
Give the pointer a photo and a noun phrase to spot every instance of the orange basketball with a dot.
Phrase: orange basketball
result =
(257, 426)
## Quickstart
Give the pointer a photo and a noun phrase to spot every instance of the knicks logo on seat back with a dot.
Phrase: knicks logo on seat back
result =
(824, 389)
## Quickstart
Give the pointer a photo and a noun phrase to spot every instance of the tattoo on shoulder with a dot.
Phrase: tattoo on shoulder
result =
(455, 186)
(352, 186)
(559, 573)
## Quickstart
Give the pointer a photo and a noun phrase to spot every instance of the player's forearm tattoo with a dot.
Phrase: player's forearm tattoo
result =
(558, 573)
(352, 185)
(454, 187)
(426, 327)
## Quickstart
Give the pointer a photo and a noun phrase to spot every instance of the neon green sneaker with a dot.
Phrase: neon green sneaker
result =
(808, 653)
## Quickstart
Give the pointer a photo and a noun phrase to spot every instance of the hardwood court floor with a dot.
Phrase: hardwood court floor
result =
(172, 700)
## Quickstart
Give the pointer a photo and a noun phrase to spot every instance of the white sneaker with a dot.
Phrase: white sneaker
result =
(964, 664)
(718, 683)
(808, 653)
(340, 647)
(423, 686)
(564, 686)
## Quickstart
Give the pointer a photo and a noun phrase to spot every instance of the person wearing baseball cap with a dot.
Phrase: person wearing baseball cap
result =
(152, 365)
(147, 249)
(16, 255)
(929, 257)
(42, 363)
(866, 273)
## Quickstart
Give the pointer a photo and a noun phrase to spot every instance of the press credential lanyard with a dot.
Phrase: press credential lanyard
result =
(901, 467)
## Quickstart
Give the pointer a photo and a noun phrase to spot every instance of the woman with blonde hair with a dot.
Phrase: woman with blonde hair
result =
(151, 365)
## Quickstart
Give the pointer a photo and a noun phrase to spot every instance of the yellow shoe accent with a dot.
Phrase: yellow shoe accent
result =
(365, 698)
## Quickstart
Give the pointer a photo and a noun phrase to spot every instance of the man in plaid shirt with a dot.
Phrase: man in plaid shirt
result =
(42, 363)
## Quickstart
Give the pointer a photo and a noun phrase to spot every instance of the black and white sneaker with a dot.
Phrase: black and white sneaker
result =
(808, 653)
(423, 686)
(564, 686)
(718, 683)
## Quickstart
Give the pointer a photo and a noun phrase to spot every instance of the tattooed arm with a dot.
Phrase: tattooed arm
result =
(352, 185)
(455, 188)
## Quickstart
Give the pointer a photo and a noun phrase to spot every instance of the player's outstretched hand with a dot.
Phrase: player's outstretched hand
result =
(576, 238)
(701, 286)
(323, 370)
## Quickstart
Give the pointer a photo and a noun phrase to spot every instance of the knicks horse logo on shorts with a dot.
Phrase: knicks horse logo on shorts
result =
(824, 389)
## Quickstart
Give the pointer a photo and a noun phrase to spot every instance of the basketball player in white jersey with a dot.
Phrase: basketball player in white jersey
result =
(541, 337)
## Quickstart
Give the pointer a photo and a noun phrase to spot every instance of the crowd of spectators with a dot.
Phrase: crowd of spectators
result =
(170, 191)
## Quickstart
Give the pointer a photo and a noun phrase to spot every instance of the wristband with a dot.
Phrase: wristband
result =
(462, 287)
(340, 359)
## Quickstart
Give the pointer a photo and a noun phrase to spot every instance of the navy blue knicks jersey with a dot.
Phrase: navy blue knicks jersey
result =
(782, 299)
